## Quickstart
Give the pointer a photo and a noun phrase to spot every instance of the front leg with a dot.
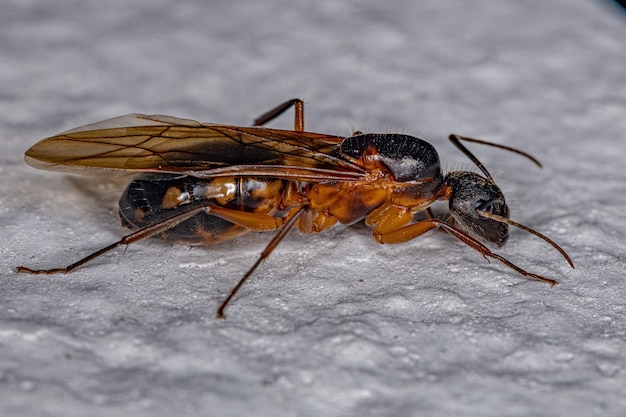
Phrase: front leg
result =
(414, 230)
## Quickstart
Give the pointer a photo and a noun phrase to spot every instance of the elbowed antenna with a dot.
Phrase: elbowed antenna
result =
(456, 141)
(529, 230)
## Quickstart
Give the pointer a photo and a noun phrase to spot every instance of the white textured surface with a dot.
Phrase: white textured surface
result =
(431, 329)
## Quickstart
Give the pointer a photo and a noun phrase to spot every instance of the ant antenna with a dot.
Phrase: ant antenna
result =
(529, 230)
(456, 141)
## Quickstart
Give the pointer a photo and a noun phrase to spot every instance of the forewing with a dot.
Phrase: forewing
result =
(167, 144)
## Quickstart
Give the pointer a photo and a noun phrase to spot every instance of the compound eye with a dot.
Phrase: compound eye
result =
(493, 206)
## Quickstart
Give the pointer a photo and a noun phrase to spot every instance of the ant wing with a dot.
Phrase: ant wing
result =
(141, 143)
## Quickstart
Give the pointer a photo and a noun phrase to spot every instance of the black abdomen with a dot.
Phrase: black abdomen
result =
(152, 198)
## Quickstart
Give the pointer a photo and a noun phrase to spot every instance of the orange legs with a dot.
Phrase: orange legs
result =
(412, 231)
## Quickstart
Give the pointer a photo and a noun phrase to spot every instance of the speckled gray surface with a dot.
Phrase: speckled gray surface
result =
(331, 324)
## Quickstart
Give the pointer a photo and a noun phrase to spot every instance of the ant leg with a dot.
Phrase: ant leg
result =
(280, 109)
(264, 255)
(252, 221)
(153, 229)
(412, 231)
(257, 222)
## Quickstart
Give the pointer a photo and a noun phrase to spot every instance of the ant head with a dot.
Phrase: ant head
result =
(470, 194)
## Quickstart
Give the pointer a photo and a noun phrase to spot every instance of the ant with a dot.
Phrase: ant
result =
(204, 183)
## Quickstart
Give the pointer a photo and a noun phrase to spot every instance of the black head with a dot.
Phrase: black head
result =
(472, 193)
